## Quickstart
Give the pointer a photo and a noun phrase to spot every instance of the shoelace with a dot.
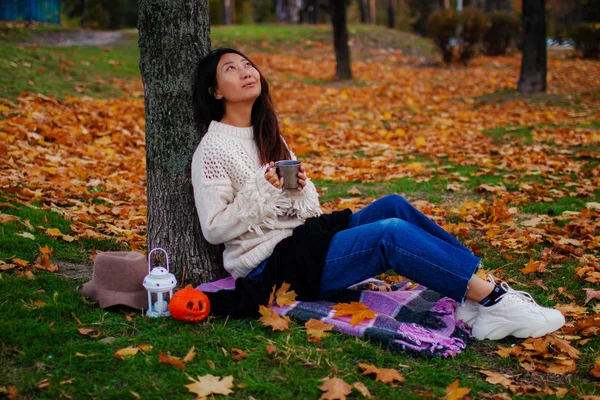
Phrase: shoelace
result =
(524, 297)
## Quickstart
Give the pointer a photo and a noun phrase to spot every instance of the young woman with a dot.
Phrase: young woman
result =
(272, 235)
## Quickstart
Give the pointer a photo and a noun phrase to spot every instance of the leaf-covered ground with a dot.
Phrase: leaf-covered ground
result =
(516, 177)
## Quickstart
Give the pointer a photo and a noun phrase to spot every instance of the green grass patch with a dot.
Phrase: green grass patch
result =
(12, 245)
(559, 206)
(505, 134)
(68, 71)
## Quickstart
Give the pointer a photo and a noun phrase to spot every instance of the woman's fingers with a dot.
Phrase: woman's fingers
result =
(271, 176)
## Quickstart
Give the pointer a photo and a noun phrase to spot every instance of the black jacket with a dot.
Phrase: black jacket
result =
(297, 260)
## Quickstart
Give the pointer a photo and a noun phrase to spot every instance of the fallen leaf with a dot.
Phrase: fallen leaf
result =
(358, 310)
(385, 375)
(6, 218)
(20, 262)
(210, 384)
(238, 354)
(26, 235)
(595, 372)
(317, 329)
(270, 349)
(283, 297)
(170, 360)
(496, 378)
(362, 389)
(190, 355)
(531, 267)
(88, 332)
(453, 392)
(126, 352)
(335, 389)
(44, 384)
(591, 294)
(271, 318)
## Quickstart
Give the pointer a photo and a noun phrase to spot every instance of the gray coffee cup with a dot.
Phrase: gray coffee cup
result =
(289, 170)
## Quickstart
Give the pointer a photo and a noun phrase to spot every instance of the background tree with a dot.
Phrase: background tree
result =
(391, 12)
(340, 39)
(229, 12)
(173, 36)
(534, 60)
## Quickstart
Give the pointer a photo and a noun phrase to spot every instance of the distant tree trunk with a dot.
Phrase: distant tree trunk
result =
(391, 12)
(287, 11)
(229, 12)
(372, 11)
(497, 5)
(173, 36)
(446, 4)
(534, 61)
(312, 9)
(340, 39)
(364, 11)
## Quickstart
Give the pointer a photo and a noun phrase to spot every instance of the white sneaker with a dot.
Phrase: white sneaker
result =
(516, 314)
(468, 312)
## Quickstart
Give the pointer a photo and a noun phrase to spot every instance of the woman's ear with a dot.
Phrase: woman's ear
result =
(215, 93)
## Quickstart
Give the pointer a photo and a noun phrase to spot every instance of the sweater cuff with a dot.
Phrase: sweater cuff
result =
(304, 203)
(261, 203)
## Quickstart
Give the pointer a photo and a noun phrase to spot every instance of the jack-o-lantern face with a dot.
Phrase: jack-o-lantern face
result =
(189, 304)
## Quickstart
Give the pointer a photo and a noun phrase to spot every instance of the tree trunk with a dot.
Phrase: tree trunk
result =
(287, 11)
(534, 63)
(497, 5)
(372, 11)
(363, 8)
(340, 39)
(173, 36)
(229, 12)
(391, 22)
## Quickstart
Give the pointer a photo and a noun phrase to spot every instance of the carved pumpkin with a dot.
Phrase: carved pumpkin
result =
(189, 304)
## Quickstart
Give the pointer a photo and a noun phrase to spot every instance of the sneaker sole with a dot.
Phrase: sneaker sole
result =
(520, 333)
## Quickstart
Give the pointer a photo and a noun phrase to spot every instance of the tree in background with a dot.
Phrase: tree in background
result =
(340, 39)
(173, 36)
(228, 12)
(534, 60)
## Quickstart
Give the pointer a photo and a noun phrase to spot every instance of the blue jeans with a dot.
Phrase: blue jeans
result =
(391, 234)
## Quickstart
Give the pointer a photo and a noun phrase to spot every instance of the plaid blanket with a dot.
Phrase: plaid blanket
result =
(410, 318)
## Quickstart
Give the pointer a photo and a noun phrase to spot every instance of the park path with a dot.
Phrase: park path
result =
(79, 38)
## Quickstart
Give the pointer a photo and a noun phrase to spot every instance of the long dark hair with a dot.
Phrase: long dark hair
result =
(264, 120)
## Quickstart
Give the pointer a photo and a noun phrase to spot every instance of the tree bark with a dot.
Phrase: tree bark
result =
(372, 11)
(229, 12)
(340, 39)
(391, 22)
(363, 8)
(534, 61)
(173, 36)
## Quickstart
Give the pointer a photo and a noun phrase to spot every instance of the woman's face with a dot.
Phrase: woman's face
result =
(237, 80)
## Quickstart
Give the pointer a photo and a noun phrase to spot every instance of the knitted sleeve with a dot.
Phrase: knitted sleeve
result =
(224, 212)
(304, 203)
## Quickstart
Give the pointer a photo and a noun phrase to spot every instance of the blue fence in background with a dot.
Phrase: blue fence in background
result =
(47, 11)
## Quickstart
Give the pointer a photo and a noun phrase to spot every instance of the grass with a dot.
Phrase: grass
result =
(38, 332)
(39, 340)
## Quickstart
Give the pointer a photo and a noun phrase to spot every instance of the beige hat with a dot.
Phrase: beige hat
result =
(118, 279)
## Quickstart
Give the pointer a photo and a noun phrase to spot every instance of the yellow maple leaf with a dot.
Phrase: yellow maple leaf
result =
(283, 297)
(358, 310)
(53, 232)
(210, 384)
(531, 267)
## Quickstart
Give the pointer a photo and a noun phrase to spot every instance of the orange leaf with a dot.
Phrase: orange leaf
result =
(335, 389)
(453, 392)
(496, 378)
(190, 355)
(385, 375)
(19, 262)
(274, 320)
(170, 360)
(53, 232)
(238, 354)
(126, 352)
(88, 332)
(531, 267)
(358, 310)
(362, 389)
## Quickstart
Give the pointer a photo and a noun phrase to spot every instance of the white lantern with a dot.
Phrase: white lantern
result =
(159, 282)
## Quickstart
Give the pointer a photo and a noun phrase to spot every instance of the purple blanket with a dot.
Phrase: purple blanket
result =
(410, 318)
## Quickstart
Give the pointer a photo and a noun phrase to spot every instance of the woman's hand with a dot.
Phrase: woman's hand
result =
(272, 178)
(302, 178)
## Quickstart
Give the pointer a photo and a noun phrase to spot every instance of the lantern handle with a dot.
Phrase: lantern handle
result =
(150, 254)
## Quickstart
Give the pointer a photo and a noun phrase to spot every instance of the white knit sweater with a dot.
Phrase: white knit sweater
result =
(236, 205)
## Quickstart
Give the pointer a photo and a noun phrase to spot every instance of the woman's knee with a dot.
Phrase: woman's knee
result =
(394, 200)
